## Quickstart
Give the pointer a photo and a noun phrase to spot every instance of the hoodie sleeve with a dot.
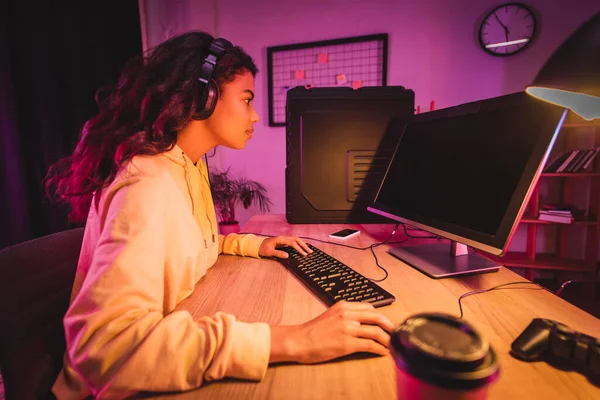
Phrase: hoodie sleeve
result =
(240, 245)
(118, 338)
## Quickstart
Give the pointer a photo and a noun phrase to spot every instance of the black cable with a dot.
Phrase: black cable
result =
(370, 247)
(409, 237)
(502, 286)
(418, 237)
(376, 244)
(566, 283)
(377, 261)
(207, 171)
(498, 287)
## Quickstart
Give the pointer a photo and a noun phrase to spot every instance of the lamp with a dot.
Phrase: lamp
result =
(571, 76)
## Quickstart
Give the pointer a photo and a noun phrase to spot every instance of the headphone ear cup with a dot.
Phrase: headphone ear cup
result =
(206, 101)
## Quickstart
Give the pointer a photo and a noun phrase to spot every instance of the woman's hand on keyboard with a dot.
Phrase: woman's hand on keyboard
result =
(268, 246)
(345, 328)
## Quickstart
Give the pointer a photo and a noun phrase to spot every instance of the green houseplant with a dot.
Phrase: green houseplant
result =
(229, 191)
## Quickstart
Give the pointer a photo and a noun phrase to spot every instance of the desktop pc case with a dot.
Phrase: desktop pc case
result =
(339, 142)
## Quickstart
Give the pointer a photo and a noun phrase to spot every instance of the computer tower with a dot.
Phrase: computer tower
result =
(339, 142)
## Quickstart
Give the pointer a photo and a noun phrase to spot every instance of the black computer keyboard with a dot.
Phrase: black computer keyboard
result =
(331, 280)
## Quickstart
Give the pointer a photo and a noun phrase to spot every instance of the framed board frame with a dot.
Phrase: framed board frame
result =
(354, 61)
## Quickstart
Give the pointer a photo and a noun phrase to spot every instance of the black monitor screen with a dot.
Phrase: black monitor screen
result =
(467, 170)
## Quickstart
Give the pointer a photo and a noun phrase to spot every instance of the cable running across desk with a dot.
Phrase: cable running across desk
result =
(388, 297)
(371, 246)
(502, 286)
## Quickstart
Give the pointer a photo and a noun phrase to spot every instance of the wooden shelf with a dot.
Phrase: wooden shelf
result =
(581, 125)
(529, 219)
(560, 259)
(571, 174)
(575, 121)
(546, 261)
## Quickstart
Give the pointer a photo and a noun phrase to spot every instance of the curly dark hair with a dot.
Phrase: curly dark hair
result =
(154, 99)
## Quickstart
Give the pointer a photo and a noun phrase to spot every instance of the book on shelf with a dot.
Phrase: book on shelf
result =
(563, 219)
(572, 161)
(562, 213)
(573, 165)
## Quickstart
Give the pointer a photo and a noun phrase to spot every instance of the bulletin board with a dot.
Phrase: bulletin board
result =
(354, 62)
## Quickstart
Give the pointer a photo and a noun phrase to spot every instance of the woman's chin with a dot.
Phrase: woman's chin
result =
(236, 146)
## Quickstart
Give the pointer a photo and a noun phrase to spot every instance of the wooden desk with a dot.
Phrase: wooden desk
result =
(263, 290)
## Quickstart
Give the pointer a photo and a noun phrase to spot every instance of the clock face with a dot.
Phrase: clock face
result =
(507, 29)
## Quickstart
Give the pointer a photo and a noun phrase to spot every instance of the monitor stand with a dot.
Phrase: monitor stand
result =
(441, 260)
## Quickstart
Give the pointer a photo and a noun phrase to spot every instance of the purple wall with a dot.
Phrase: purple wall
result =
(433, 50)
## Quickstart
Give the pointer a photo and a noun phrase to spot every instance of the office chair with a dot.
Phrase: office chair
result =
(36, 279)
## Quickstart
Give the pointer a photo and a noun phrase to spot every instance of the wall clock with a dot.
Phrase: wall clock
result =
(507, 29)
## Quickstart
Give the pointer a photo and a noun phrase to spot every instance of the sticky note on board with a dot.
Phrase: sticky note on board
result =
(323, 58)
(341, 79)
(299, 74)
(356, 84)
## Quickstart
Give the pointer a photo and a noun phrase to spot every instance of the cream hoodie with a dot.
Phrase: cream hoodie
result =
(149, 238)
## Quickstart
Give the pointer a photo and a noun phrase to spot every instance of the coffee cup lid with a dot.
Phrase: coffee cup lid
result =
(444, 351)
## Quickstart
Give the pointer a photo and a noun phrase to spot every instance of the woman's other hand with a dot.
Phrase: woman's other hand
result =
(268, 247)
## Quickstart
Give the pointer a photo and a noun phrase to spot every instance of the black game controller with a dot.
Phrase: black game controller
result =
(556, 343)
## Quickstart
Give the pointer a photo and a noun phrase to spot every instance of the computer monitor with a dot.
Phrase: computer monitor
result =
(466, 173)
(339, 143)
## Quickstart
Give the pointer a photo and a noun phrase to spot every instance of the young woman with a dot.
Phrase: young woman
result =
(151, 234)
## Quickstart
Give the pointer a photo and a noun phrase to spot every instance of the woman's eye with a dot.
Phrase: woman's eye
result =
(248, 101)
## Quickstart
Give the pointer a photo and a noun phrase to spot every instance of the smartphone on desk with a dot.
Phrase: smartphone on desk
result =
(344, 234)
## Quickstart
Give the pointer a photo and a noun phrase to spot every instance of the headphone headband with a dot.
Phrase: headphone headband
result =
(208, 92)
(215, 51)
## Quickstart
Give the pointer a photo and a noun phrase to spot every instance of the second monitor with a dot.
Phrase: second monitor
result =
(466, 173)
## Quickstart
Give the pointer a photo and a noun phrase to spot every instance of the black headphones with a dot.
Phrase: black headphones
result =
(208, 92)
